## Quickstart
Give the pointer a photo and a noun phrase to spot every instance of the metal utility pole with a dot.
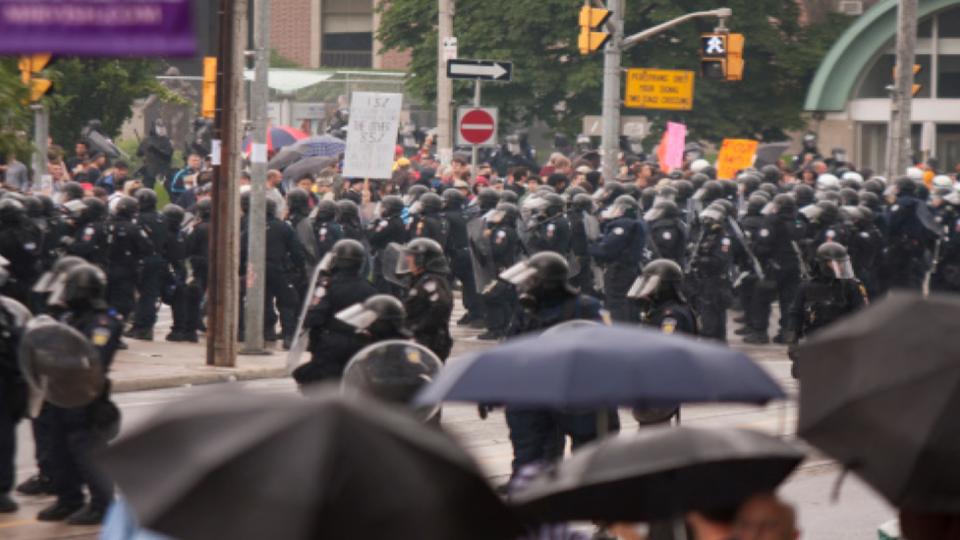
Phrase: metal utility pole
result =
(610, 142)
(612, 54)
(444, 85)
(223, 291)
(900, 149)
(41, 130)
(256, 221)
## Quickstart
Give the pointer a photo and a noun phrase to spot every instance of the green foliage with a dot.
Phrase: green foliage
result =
(86, 89)
(15, 117)
(278, 60)
(554, 83)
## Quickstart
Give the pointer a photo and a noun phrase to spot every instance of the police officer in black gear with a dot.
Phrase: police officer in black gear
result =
(488, 199)
(751, 224)
(428, 220)
(323, 233)
(77, 433)
(378, 318)
(609, 193)
(668, 234)
(619, 251)
(196, 251)
(13, 395)
(549, 229)
(547, 299)
(175, 282)
(387, 229)
(150, 284)
(825, 225)
(579, 212)
(504, 248)
(458, 251)
(946, 267)
(659, 293)
(771, 174)
(429, 300)
(90, 239)
(129, 245)
(509, 196)
(830, 294)
(333, 342)
(908, 239)
(349, 220)
(71, 191)
(20, 245)
(413, 194)
(298, 206)
(805, 195)
(710, 272)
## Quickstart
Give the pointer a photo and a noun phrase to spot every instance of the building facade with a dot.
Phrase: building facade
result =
(849, 96)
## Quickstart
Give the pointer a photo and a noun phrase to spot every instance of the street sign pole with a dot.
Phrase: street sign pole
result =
(444, 85)
(474, 148)
(40, 133)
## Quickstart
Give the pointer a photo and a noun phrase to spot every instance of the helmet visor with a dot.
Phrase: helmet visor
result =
(327, 262)
(495, 216)
(812, 212)
(403, 267)
(770, 209)
(357, 316)
(842, 269)
(518, 274)
(615, 211)
(712, 214)
(653, 214)
(643, 287)
(416, 208)
(699, 194)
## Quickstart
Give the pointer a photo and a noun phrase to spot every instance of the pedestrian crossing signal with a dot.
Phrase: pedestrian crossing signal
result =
(721, 56)
(591, 19)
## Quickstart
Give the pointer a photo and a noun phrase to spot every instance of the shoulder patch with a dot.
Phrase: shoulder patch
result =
(430, 286)
(894, 208)
(618, 231)
(100, 336)
(669, 325)
(666, 235)
(764, 233)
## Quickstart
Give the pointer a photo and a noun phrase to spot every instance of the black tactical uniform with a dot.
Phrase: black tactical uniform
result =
(428, 220)
(175, 281)
(20, 244)
(13, 399)
(908, 238)
(319, 233)
(197, 253)
(777, 247)
(946, 276)
(429, 300)
(348, 217)
(866, 247)
(458, 251)
(333, 342)
(710, 273)
(619, 251)
(298, 207)
(749, 281)
(150, 284)
(129, 245)
(580, 215)
(667, 233)
(387, 229)
(503, 248)
(549, 229)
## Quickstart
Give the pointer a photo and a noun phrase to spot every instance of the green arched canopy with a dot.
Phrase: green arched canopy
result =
(837, 75)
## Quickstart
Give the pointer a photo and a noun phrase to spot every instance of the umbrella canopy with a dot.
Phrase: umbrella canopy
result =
(306, 166)
(605, 366)
(769, 154)
(321, 146)
(284, 158)
(659, 473)
(245, 466)
(277, 138)
(880, 393)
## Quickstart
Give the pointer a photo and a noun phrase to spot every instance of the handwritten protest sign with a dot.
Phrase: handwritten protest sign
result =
(372, 134)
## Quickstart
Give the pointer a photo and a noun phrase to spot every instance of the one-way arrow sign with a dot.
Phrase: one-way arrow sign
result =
(485, 70)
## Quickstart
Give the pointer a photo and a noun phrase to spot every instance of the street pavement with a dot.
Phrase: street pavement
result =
(855, 515)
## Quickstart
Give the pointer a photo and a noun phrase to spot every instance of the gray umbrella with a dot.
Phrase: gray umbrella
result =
(306, 166)
(288, 155)
(659, 473)
(770, 153)
(245, 466)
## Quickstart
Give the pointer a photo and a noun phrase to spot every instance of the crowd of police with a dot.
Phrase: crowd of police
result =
(349, 264)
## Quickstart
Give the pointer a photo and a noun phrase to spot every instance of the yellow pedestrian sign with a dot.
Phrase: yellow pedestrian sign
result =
(668, 89)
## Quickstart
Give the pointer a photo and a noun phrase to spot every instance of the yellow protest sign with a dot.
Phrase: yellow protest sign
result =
(668, 89)
(735, 154)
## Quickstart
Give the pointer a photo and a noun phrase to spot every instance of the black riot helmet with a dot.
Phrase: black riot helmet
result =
(805, 195)
(390, 206)
(348, 211)
(647, 196)
(749, 183)
(505, 214)
(95, 210)
(871, 200)
(49, 207)
(728, 208)
(71, 191)
(664, 209)
(509, 196)
(427, 256)
(346, 256)
(298, 202)
(204, 209)
(624, 206)
(755, 204)
(393, 371)
(711, 191)
(684, 190)
(834, 261)
(698, 180)
(12, 211)
(582, 203)
(381, 316)
(487, 199)
(51, 281)
(173, 215)
(147, 200)
(830, 212)
(849, 197)
(905, 186)
(554, 204)
(875, 186)
(453, 199)
(770, 189)
(33, 206)
(782, 205)
(730, 189)
(429, 203)
(661, 279)
(325, 211)
(771, 174)
(84, 287)
(609, 193)
(572, 192)
(540, 276)
(126, 208)
(413, 194)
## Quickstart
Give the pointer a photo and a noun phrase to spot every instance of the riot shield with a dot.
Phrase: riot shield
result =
(591, 225)
(60, 365)
(21, 315)
(481, 255)
(391, 258)
(393, 371)
(307, 239)
(315, 292)
(928, 220)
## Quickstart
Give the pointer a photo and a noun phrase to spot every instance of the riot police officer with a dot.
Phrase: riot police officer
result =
(90, 239)
(549, 228)
(150, 284)
(866, 246)
(174, 289)
(429, 300)
(668, 234)
(13, 390)
(499, 250)
(458, 251)
(659, 294)
(710, 267)
(197, 253)
(319, 233)
(348, 217)
(378, 318)
(20, 245)
(584, 228)
(428, 220)
(298, 207)
(619, 252)
(750, 281)
(908, 236)
(129, 245)
(333, 342)
(387, 229)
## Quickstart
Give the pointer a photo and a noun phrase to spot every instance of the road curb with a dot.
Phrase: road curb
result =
(213, 377)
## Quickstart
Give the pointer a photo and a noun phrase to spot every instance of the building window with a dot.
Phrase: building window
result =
(948, 23)
(347, 33)
(948, 147)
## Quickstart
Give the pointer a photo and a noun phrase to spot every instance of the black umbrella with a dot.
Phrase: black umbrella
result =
(306, 166)
(880, 393)
(244, 466)
(288, 155)
(659, 473)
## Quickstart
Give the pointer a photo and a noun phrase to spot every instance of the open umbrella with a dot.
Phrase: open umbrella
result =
(770, 153)
(284, 158)
(659, 473)
(277, 138)
(605, 366)
(880, 393)
(321, 146)
(306, 166)
(246, 466)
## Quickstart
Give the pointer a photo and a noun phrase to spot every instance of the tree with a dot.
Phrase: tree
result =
(554, 83)
(86, 89)
(14, 115)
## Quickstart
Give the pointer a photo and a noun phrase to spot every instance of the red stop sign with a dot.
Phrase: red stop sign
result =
(477, 126)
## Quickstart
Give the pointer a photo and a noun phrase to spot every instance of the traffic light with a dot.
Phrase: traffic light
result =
(591, 19)
(208, 103)
(721, 56)
(30, 65)
(917, 68)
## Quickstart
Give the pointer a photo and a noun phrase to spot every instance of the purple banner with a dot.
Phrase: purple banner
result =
(97, 27)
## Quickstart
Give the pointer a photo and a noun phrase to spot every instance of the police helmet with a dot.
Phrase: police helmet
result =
(488, 198)
(427, 255)
(390, 206)
(659, 277)
(711, 191)
(698, 180)
(147, 199)
(348, 211)
(647, 196)
(770, 189)
(609, 192)
(453, 199)
(413, 194)
(582, 202)
(905, 185)
(429, 203)
(684, 190)
(827, 181)
(504, 214)
(783, 204)
(33, 206)
(174, 216)
(508, 196)
(71, 191)
(347, 256)
(755, 204)
(52, 280)
(771, 174)
(126, 207)
(84, 286)
(543, 273)
(325, 211)
(805, 195)
(874, 186)
(833, 261)
(95, 210)
(381, 315)
(849, 197)
(204, 209)
(662, 209)
(623, 206)
(12, 211)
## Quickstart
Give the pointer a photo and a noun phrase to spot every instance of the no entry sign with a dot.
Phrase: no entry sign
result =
(476, 125)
